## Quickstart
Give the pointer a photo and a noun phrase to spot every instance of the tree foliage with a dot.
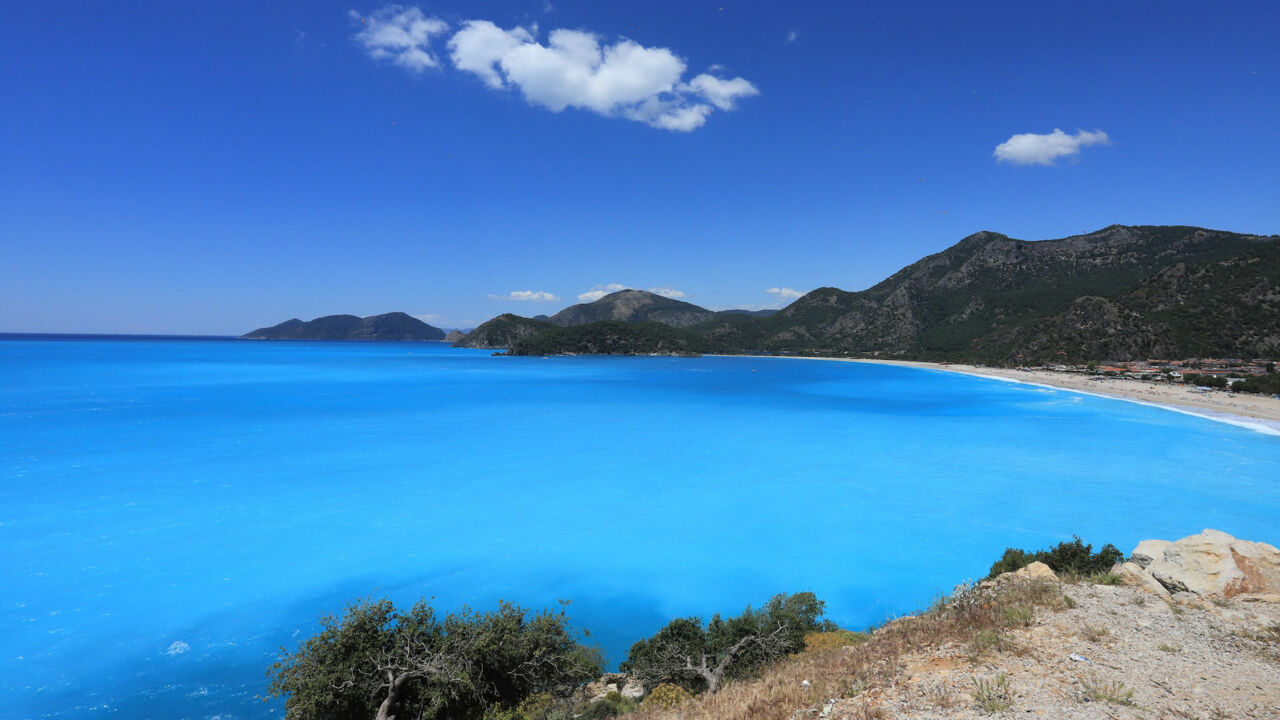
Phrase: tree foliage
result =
(700, 657)
(1073, 557)
(377, 662)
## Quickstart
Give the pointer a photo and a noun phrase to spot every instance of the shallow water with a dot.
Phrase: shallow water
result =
(173, 511)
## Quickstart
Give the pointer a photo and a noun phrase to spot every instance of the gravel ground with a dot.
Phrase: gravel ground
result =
(1146, 658)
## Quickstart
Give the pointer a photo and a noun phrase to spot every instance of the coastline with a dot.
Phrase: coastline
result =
(1254, 412)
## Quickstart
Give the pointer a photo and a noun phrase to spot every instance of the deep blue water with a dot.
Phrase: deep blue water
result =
(173, 511)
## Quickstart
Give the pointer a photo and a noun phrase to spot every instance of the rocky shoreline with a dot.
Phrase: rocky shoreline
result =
(1186, 630)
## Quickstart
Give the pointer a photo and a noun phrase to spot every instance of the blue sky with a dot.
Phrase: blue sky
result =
(211, 167)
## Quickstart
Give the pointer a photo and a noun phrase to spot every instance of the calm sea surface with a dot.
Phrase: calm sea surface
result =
(173, 511)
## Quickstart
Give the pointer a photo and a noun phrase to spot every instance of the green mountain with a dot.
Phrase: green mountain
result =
(633, 306)
(1119, 293)
(391, 326)
(502, 332)
(611, 337)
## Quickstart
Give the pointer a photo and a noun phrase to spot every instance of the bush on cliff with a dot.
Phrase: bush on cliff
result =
(1071, 558)
(700, 657)
(378, 662)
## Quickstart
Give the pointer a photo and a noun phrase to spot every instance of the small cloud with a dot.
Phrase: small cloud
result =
(178, 648)
(1044, 149)
(548, 7)
(430, 318)
(600, 291)
(667, 291)
(399, 34)
(526, 296)
(791, 36)
(784, 293)
(299, 37)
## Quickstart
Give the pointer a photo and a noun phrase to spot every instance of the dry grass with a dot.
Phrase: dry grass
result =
(860, 670)
(834, 640)
(1095, 689)
(1094, 633)
(940, 696)
(992, 695)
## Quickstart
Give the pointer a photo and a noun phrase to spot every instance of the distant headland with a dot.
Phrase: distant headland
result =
(390, 326)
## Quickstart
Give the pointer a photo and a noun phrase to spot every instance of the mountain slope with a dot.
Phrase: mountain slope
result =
(611, 337)
(502, 332)
(633, 306)
(1119, 293)
(391, 326)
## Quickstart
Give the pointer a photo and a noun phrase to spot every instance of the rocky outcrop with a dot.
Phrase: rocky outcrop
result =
(621, 683)
(1133, 574)
(1211, 564)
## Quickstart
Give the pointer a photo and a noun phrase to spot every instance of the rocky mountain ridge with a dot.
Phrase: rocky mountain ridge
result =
(1121, 293)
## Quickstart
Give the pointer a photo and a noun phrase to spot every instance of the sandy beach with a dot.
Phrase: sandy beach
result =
(1257, 411)
(1254, 411)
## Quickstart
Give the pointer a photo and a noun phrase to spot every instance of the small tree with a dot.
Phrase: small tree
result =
(375, 662)
(695, 657)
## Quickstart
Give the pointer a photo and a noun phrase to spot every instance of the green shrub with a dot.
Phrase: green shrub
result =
(665, 697)
(1073, 558)
(502, 659)
(727, 648)
(599, 710)
(1012, 561)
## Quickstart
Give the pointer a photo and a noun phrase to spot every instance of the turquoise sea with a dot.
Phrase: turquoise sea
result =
(173, 511)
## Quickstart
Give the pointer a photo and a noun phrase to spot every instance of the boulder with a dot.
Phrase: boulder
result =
(633, 690)
(1037, 571)
(1148, 551)
(1212, 563)
(1133, 574)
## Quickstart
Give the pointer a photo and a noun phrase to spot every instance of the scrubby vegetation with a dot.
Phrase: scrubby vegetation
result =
(1066, 558)
(510, 664)
(378, 662)
(873, 661)
(699, 657)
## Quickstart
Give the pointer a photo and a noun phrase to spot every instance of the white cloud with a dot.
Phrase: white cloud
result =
(1044, 149)
(600, 291)
(430, 318)
(481, 44)
(526, 296)
(667, 291)
(791, 36)
(401, 35)
(784, 293)
(574, 70)
(722, 93)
